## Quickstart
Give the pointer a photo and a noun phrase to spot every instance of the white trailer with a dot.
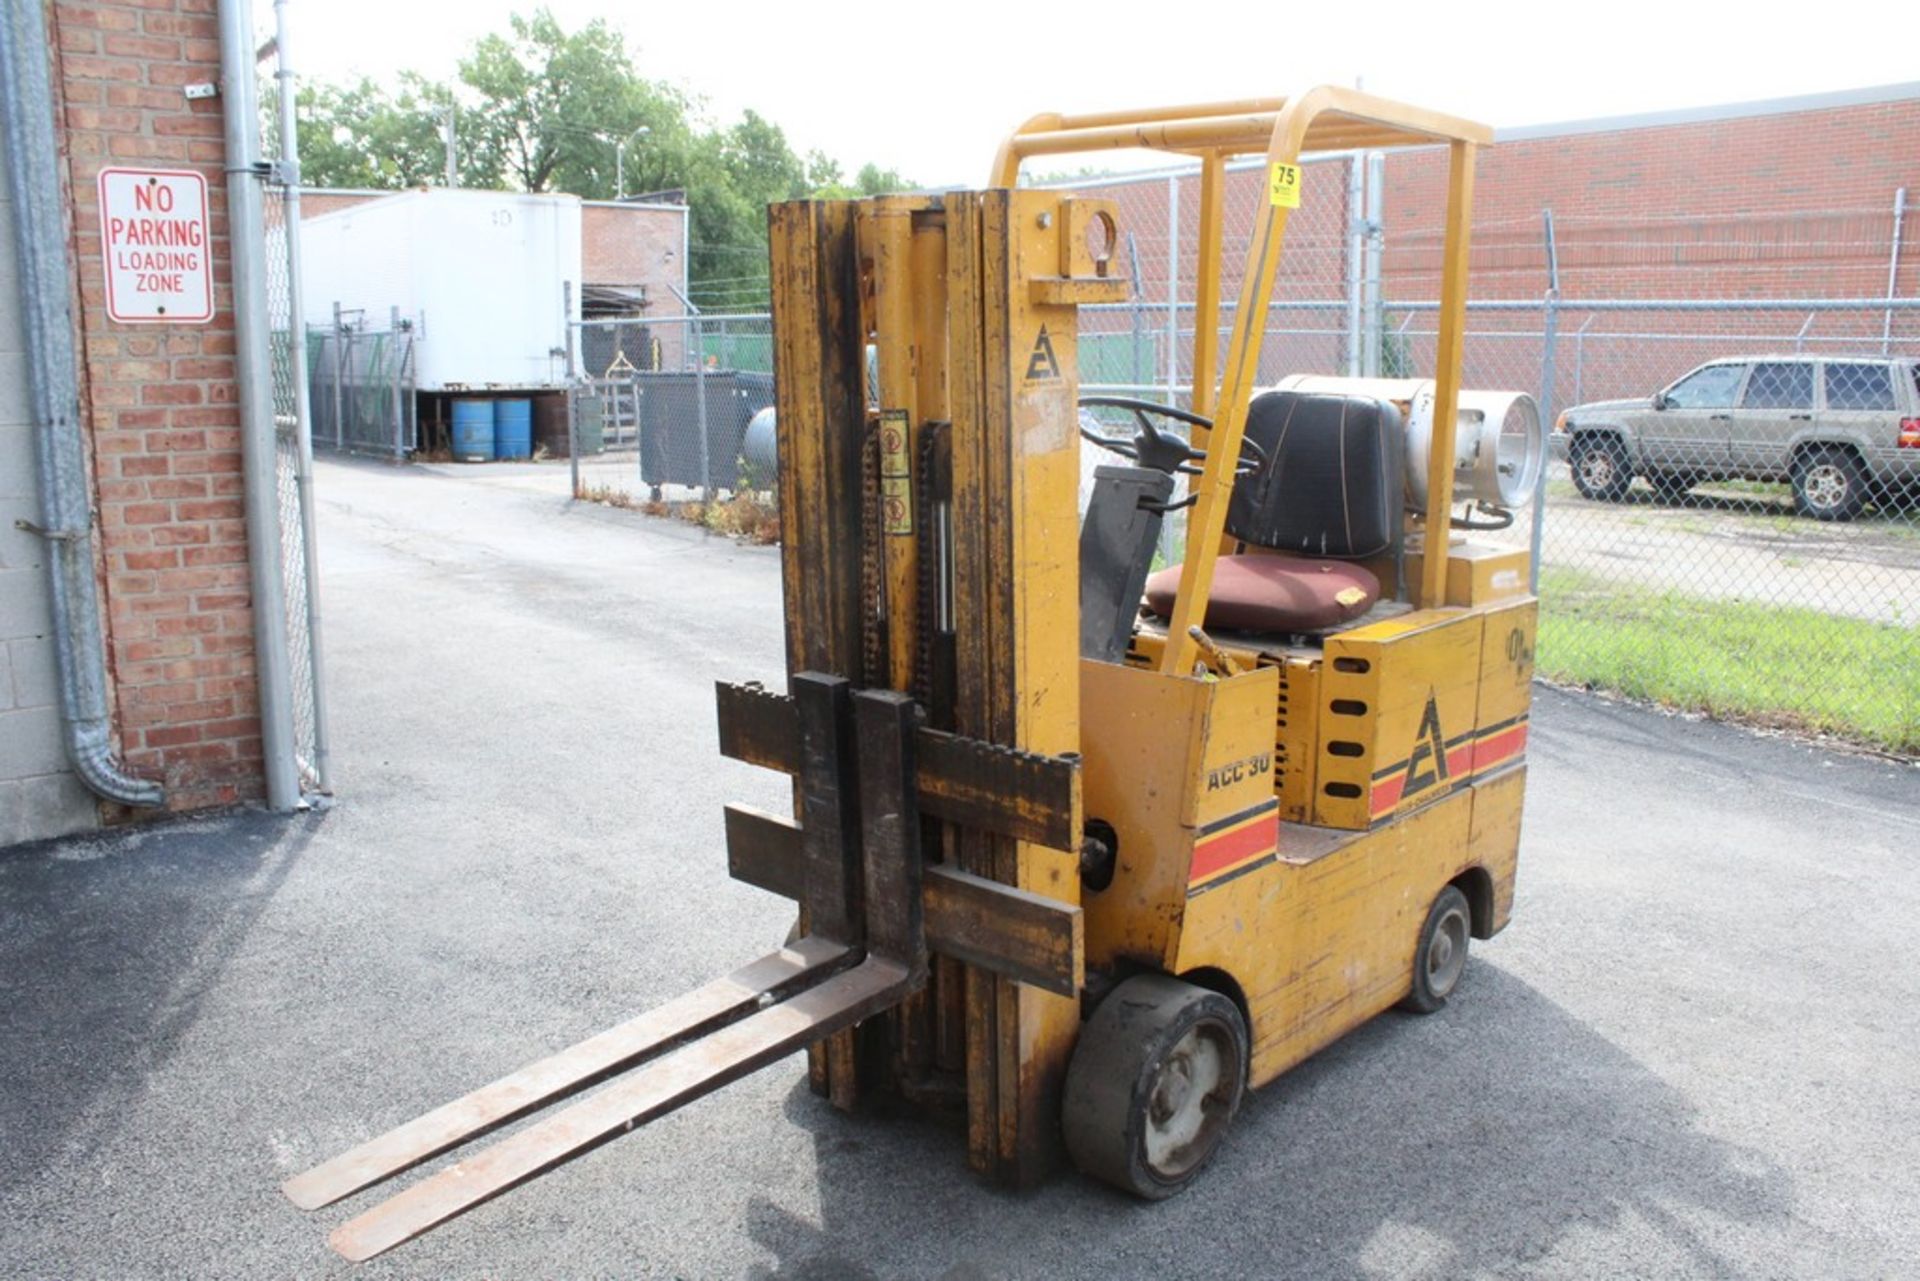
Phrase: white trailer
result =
(484, 277)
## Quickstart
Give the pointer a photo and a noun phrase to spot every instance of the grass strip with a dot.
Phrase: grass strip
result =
(1738, 660)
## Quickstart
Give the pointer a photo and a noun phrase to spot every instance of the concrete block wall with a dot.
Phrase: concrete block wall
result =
(39, 795)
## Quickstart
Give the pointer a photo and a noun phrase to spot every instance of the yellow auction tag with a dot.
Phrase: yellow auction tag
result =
(1283, 186)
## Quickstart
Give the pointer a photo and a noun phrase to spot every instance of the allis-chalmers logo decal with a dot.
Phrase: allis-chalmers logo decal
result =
(1438, 765)
(1042, 364)
(1428, 764)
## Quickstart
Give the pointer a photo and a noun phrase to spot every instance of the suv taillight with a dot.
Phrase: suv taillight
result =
(1909, 433)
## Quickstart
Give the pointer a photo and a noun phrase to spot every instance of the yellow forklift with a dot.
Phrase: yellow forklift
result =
(1083, 851)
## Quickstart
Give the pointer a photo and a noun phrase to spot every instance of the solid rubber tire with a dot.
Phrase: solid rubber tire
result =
(1105, 1105)
(1423, 999)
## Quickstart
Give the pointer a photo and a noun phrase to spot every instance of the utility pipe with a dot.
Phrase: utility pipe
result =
(66, 512)
(246, 245)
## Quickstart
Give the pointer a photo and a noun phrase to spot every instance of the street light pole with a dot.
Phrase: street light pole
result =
(451, 111)
(620, 161)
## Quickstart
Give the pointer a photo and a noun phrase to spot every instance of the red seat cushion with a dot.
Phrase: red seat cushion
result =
(1275, 593)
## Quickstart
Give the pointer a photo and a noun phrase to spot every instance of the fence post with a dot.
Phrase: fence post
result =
(1549, 333)
(1893, 270)
(573, 408)
(1136, 372)
(339, 374)
(349, 391)
(1173, 286)
(1375, 301)
(399, 419)
(1579, 359)
(700, 405)
(1356, 248)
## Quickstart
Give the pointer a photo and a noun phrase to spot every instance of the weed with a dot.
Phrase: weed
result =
(606, 496)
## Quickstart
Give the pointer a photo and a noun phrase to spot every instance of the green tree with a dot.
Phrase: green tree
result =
(552, 108)
(544, 109)
(360, 135)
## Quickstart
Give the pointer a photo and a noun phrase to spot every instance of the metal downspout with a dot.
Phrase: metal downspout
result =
(40, 243)
(246, 244)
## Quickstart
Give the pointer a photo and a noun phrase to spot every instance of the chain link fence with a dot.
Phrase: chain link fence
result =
(1737, 532)
(361, 383)
(293, 442)
(1730, 520)
(662, 411)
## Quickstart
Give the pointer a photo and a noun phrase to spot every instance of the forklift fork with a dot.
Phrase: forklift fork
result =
(854, 861)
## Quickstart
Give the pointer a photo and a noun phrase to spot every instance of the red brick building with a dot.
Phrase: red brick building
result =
(1787, 199)
(160, 420)
(1783, 198)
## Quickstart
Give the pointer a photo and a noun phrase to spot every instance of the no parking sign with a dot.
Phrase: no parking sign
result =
(154, 237)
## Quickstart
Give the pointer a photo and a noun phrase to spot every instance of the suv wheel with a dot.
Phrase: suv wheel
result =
(1829, 484)
(1600, 469)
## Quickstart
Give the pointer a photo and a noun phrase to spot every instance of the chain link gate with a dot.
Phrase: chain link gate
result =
(361, 382)
(293, 440)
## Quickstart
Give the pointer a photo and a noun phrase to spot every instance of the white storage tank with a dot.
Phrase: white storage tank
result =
(483, 276)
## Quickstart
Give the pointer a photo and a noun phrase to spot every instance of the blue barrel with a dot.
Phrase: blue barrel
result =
(513, 429)
(473, 431)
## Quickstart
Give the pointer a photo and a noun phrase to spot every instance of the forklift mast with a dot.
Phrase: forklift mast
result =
(929, 531)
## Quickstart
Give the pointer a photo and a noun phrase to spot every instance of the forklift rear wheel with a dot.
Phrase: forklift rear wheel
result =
(1442, 952)
(1154, 1082)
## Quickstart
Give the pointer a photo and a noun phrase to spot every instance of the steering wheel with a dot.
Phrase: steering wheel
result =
(1158, 449)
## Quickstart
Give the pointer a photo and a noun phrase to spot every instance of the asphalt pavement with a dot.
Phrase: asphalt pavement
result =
(1695, 1052)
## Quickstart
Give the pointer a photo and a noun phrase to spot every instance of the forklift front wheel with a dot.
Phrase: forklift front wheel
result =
(1155, 1080)
(1442, 952)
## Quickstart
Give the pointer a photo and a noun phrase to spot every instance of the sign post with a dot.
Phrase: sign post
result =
(154, 237)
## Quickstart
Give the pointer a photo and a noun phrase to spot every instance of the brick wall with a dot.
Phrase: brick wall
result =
(165, 428)
(633, 245)
(1794, 203)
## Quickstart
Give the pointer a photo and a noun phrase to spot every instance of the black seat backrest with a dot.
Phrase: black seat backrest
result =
(1331, 484)
(1116, 551)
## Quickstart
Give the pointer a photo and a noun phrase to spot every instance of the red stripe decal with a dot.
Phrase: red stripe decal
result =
(1470, 758)
(1217, 853)
(1499, 747)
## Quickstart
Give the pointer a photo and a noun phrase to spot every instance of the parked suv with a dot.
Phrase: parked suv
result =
(1843, 432)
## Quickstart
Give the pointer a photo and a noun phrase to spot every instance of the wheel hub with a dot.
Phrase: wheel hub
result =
(1447, 953)
(1188, 1102)
(1825, 486)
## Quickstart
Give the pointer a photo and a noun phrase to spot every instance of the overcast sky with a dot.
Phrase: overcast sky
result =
(929, 89)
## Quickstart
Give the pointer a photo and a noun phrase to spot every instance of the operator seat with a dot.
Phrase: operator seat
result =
(1328, 493)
